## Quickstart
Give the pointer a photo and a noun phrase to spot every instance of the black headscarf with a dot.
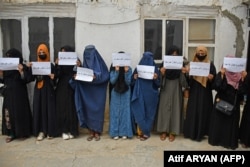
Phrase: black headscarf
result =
(120, 86)
(14, 53)
(67, 48)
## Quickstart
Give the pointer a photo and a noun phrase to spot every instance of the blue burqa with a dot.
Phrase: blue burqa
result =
(90, 97)
(145, 97)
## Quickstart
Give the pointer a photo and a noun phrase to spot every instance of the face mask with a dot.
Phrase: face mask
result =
(201, 57)
(43, 56)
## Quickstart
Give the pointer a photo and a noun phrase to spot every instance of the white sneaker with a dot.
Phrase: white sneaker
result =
(40, 136)
(124, 137)
(65, 136)
(116, 138)
(71, 136)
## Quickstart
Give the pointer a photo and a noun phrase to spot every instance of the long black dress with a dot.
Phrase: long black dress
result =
(67, 121)
(44, 106)
(224, 129)
(245, 118)
(199, 107)
(16, 105)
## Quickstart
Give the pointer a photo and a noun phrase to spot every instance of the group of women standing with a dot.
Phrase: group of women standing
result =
(51, 116)
(137, 106)
(158, 103)
(133, 101)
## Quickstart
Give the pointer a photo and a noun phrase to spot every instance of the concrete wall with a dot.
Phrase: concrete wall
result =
(117, 25)
(109, 28)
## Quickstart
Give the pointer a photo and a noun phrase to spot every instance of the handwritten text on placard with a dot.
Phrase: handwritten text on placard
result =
(145, 72)
(173, 62)
(84, 74)
(234, 64)
(9, 63)
(121, 59)
(41, 68)
(199, 69)
(67, 58)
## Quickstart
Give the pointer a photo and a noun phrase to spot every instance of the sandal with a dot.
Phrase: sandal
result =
(244, 146)
(171, 137)
(163, 136)
(97, 137)
(139, 136)
(9, 139)
(144, 137)
(91, 137)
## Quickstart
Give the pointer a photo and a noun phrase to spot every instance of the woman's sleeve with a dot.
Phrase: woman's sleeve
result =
(128, 76)
(113, 76)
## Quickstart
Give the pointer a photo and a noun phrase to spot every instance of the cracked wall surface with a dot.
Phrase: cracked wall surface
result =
(239, 41)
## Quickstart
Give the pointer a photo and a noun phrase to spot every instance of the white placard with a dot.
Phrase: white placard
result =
(7, 63)
(121, 59)
(145, 72)
(199, 69)
(41, 68)
(67, 58)
(173, 62)
(234, 64)
(84, 74)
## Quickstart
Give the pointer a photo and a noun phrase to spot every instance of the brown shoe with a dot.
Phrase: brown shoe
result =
(163, 136)
(171, 137)
(91, 136)
(144, 137)
(97, 137)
